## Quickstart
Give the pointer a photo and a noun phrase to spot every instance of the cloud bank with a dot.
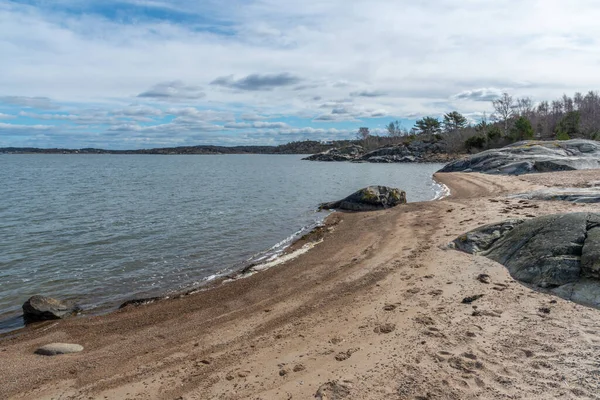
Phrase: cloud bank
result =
(130, 74)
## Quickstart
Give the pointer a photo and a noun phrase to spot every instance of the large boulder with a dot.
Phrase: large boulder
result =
(369, 199)
(41, 308)
(532, 156)
(558, 252)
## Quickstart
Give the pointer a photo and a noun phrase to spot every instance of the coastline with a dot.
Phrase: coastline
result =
(285, 250)
(284, 317)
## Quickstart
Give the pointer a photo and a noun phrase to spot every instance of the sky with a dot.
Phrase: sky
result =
(130, 74)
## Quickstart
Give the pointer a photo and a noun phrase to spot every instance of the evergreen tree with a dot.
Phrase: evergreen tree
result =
(428, 125)
(522, 129)
(454, 121)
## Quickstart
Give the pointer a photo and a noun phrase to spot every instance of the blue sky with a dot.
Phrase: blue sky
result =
(152, 73)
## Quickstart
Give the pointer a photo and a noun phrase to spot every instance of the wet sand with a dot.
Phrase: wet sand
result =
(373, 311)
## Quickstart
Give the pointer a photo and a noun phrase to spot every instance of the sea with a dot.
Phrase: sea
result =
(101, 229)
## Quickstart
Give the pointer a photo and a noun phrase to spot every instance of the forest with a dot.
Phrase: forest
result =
(513, 119)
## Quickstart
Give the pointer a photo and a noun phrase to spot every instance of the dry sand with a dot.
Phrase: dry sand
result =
(372, 312)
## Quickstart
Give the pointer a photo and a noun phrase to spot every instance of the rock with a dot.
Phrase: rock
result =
(368, 199)
(532, 156)
(332, 390)
(41, 308)
(54, 349)
(385, 328)
(408, 152)
(470, 299)
(347, 153)
(299, 368)
(140, 302)
(559, 252)
(573, 195)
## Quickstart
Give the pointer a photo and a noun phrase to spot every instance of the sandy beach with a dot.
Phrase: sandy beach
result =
(373, 311)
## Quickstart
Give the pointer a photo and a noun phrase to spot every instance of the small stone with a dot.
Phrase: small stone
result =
(484, 278)
(283, 372)
(470, 299)
(299, 367)
(385, 328)
(54, 349)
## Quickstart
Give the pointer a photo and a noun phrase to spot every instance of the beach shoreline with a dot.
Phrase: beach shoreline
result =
(234, 340)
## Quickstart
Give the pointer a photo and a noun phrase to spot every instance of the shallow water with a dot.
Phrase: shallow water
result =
(100, 229)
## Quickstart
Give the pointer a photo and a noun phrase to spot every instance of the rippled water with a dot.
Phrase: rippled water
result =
(99, 229)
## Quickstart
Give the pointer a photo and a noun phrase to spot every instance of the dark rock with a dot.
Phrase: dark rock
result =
(557, 252)
(41, 308)
(532, 156)
(347, 153)
(470, 299)
(139, 302)
(368, 199)
(416, 151)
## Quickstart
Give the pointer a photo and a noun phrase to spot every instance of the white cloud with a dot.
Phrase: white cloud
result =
(381, 58)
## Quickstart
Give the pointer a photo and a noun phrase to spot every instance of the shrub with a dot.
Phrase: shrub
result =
(475, 142)
(494, 134)
(522, 130)
(562, 136)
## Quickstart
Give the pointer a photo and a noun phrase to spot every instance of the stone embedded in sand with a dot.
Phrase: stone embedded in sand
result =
(298, 368)
(41, 308)
(369, 199)
(385, 328)
(332, 390)
(54, 349)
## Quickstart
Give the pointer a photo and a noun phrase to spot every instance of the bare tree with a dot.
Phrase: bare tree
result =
(505, 109)
(395, 130)
(524, 107)
(363, 133)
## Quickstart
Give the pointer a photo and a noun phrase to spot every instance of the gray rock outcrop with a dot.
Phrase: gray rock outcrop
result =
(347, 153)
(532, 156)
(573, 195)
(41, 308)
(416, 151)
(369, 199)
(559, 252)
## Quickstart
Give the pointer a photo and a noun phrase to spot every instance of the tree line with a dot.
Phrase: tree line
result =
(513, 119)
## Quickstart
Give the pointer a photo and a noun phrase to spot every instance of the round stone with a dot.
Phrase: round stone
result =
(54, 349)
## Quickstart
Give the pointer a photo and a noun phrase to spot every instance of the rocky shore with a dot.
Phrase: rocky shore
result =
(381, 307)
(413, 152)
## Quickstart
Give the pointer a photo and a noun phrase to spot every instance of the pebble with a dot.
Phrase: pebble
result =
(54, 349)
